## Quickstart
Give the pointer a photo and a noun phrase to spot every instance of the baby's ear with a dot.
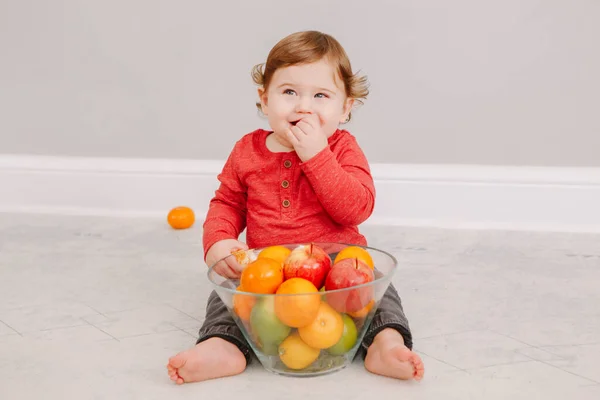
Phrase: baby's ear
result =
(348, 104)
(262, 95)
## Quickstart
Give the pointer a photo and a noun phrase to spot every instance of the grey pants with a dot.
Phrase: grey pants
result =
(219, 323)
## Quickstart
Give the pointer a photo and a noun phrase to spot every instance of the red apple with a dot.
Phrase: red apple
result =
(309, 262)
(347, 273)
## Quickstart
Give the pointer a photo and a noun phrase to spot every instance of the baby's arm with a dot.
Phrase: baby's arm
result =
(343, 185)
(226, 217)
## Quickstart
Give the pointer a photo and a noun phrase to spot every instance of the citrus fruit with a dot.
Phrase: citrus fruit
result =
(243, 257)
(348, 339)
(296, 354)
(355, 252)
(262, 276)
(181, 217)
(294, 309)
(277, 253)
(267, 329)
(325, 330)
(363, 311)
(243, 304)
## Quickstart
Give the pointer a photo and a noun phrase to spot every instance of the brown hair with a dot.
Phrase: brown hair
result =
(307, 47)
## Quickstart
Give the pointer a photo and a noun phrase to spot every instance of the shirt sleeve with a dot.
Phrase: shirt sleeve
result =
(226, 217)
(343, 184)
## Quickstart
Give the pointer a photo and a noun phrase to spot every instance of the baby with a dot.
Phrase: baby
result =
(305, 180)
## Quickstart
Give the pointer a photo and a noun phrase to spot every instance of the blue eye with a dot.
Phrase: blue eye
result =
(288, 91)
(320, 95)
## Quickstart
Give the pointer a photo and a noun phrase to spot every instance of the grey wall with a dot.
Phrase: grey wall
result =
(491, 82)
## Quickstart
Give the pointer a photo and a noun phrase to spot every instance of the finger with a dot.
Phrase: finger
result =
(219, 266)
(311, 120)
(224, 270)
(230, 264)
(292, 138)
(298, 132)
(234, 266)
(305, 127)
(229, 273)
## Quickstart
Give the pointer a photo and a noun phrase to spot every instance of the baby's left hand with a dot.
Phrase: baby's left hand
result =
(307, 137)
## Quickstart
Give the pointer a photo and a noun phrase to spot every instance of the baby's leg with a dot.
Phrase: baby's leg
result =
(388, 342)
(221, 349)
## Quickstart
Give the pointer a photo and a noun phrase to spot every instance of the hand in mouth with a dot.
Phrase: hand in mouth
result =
(293, 123)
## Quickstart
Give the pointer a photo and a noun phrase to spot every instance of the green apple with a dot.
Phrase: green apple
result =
(348, 339)
(267, 329)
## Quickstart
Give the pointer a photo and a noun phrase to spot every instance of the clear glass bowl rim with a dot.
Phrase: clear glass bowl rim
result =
(374, 282)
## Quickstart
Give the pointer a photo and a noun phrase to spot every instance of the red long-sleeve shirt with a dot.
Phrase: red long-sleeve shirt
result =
(279, 199)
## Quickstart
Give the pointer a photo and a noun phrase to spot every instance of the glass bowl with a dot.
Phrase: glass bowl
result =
(297, 328)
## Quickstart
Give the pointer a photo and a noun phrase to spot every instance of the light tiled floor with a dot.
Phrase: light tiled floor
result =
(91, 308)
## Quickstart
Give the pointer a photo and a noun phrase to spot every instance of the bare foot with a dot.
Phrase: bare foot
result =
(388, 356)
(210, 359)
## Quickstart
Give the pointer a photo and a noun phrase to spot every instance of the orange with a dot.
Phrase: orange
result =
(262, 276)
(243, 304)
(355, 252)
(243, 257)
(181, 217)
(363, 311)
(325, 330)
(277, 253)
(297, 310)
(296, 354)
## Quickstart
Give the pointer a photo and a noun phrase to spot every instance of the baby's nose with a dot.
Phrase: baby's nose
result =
(304, 105)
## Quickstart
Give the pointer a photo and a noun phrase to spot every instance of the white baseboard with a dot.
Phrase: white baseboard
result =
(445, 196)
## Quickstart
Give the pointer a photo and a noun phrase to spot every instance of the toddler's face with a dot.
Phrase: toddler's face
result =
(300, 90)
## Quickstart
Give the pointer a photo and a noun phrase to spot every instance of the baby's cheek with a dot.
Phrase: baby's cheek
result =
(322, 118)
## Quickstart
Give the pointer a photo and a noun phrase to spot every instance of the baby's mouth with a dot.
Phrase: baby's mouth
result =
(293, 123)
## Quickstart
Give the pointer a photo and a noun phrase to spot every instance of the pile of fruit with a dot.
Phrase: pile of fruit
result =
(309, 313)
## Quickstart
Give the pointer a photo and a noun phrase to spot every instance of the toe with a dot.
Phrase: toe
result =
(177, 361)
(419, 369)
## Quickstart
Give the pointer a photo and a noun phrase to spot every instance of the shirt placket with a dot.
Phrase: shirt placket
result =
(285, 186)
